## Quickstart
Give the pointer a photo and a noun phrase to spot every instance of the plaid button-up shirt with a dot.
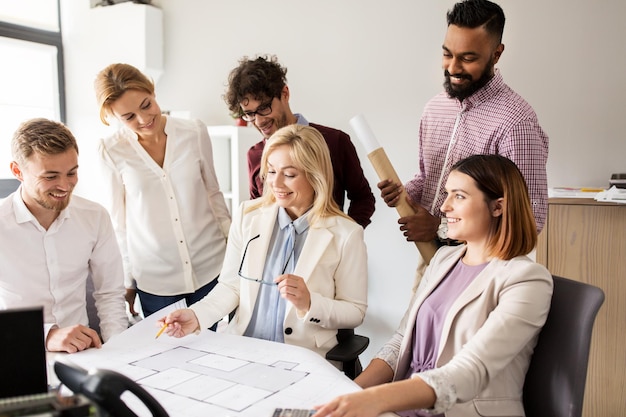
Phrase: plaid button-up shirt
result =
(494, 120)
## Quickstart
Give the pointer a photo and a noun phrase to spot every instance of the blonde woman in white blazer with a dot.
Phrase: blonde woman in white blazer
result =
(327, 287)
(465, 343)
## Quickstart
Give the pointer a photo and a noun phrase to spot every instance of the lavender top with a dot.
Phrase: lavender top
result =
(429, 322)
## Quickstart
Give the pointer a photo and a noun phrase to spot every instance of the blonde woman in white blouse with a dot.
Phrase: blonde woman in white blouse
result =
(169, 215)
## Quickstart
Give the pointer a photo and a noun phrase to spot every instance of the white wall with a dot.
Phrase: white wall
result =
(381, 59)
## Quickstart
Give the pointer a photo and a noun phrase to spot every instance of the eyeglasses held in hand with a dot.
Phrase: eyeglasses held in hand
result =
(260, 281)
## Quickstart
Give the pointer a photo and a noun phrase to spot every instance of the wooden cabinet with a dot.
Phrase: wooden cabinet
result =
(585, 240)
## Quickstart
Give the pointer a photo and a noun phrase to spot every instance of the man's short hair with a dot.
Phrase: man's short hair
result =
(475, 13)
(44, 136)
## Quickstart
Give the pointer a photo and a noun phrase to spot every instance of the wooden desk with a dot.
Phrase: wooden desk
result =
(585, 240)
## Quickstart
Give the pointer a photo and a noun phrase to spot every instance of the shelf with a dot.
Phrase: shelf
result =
(230, 148)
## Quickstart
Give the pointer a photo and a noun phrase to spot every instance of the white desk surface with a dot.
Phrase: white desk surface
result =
(216, 374)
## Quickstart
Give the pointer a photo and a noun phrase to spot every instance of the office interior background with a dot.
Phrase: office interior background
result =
(379, 59)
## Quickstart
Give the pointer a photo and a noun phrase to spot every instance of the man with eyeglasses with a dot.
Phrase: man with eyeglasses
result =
(258, 92)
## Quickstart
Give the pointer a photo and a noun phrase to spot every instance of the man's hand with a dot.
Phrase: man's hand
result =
(130, 295)
(390, 192)
(420, 227)
(72, 339)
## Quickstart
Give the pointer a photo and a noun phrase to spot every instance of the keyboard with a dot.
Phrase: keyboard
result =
(33, 402)
(292, 412)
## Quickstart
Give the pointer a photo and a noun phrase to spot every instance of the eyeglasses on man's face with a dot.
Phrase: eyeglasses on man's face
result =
(260, 281)
(263, 110)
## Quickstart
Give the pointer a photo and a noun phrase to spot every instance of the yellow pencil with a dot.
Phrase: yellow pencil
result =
(591, 190)
(161, 331)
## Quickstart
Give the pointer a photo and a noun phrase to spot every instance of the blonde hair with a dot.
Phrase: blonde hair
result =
(115, 80)
(310, 154)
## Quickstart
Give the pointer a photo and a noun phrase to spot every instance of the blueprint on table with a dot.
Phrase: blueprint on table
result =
(216, 374)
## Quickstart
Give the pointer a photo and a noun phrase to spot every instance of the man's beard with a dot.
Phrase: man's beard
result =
(51, 204)
(463, 92)
(279, 122)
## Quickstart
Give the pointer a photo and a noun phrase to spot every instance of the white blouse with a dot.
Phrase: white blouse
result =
(172, 221)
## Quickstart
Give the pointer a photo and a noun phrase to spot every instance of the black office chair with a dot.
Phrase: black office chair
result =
(92, 311)
(555, 382)
(347, 351)
(7, 186)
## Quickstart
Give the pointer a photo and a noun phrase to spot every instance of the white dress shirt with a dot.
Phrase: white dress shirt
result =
(49, 268)
(172, 221)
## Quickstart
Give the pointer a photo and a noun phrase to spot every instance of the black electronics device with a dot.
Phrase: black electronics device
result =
(23, 365)
(293, 412)
(23, 369)
(105, 388)
(618, 180)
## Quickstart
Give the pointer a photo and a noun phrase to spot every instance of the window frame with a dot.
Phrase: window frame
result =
(52, 38)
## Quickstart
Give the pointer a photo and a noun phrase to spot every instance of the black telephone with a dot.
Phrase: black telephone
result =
(104, 388)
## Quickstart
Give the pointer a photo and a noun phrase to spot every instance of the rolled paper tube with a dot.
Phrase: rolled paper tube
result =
(385, 171)
(364, 133)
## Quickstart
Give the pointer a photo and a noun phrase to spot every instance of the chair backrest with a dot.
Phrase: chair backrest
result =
(555, 382)
(7, 186)
(92, 311)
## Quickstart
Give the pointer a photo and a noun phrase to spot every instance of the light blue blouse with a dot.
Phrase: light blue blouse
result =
(269, 310)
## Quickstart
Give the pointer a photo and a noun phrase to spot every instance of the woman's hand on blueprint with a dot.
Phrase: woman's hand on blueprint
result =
(180, 323)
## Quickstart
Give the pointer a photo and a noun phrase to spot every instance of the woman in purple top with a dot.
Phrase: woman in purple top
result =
(465, 343)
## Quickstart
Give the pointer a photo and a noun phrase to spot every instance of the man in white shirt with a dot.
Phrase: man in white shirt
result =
(50, 245)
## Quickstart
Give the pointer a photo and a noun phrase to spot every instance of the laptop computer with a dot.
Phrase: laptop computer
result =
(24, 381)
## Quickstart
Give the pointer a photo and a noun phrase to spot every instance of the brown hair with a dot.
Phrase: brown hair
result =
(115, 80)
(514, 233)
(261, 78)
(43, 136)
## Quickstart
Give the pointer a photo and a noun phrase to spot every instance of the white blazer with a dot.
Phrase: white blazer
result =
(488, 334)
(333, 264)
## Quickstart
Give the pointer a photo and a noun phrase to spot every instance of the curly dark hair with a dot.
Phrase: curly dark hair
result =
(261, 78)
(474, 13)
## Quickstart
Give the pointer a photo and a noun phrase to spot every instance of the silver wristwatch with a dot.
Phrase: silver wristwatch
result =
(442, 231)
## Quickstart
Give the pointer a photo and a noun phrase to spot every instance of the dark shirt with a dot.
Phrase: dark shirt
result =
(350, 181)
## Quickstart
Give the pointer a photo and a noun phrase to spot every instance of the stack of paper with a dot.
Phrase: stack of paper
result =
(613, 194)
(574, 192)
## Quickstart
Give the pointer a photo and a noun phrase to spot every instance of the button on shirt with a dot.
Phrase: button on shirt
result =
(494, 120)
(172, 221)
(269, 311)
(49, 268)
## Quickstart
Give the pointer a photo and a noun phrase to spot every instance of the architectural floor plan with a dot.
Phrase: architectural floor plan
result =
(216, 374)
